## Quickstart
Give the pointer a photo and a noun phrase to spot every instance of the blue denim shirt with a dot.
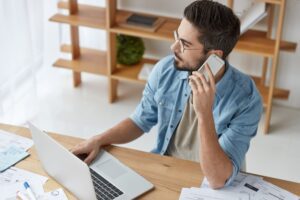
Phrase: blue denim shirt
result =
(237, 108)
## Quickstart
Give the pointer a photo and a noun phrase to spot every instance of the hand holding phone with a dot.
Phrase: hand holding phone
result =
(215, 63)
(203, 92)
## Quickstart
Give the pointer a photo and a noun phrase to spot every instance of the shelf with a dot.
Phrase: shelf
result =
(264, 91)
(130, 73)
(164, 32)
(89, 16)
(278, 2)
(255, 42)
(91, 61)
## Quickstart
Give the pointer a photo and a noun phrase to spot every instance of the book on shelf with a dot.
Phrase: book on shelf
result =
(145, 71)
(142, 22)
(251, 15)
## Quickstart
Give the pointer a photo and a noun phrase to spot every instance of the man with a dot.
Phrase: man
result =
(211, 121)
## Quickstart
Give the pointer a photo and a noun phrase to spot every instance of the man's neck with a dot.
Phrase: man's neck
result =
(220, 74)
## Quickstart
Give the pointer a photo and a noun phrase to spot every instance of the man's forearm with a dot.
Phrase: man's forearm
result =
(216, 165)
(125, 131)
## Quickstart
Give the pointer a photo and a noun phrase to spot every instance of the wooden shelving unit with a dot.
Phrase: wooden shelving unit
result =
(262, 44)
(104, 63)
(90, 60)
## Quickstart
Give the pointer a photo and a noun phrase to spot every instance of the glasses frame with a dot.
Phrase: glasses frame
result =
(181, 44)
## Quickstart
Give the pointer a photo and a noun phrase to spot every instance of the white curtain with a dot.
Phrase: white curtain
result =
(21, 54)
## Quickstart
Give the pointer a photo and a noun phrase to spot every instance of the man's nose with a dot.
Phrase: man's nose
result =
(174, 46)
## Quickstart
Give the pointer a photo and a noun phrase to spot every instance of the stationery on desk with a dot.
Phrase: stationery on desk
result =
(9, 139)
(15, 182)
(13, 148)
(12, 180)
(209, 194)
(10, 156)
(244, 187)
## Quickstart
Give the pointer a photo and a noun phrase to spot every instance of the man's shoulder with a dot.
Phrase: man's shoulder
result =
(244, 88)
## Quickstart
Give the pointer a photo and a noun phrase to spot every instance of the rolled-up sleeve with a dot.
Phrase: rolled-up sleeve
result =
(235, 140)
(145, 114)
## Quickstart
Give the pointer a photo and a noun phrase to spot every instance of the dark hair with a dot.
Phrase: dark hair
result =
(218, 26)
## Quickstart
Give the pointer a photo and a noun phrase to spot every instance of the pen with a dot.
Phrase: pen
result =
(29, 191)
(21, 196)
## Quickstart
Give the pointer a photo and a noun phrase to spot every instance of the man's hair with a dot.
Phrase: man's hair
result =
(218, 26)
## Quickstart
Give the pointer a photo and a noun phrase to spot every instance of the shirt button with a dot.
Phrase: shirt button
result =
(185, 95)
(171, 126)
(180, 111)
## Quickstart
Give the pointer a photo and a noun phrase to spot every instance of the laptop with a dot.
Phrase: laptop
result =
(105, 178)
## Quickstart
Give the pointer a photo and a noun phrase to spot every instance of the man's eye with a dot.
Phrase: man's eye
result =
(185, 44)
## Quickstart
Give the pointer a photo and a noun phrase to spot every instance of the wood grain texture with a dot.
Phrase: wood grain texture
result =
(167, 174)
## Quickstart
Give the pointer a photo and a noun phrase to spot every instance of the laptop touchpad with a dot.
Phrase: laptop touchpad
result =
(111, 168)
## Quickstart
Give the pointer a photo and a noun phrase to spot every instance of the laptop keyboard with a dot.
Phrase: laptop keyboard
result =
(104, 189)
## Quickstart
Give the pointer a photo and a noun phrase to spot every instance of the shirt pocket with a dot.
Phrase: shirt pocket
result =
(165, 106)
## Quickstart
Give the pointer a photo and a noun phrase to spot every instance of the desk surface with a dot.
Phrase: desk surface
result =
(167, 174)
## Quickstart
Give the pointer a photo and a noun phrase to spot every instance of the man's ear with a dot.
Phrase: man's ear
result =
(217, 52)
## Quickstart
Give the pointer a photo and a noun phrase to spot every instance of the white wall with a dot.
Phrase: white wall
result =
(288, 71)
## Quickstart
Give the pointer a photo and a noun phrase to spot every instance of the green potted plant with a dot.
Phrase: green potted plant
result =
(130, 49)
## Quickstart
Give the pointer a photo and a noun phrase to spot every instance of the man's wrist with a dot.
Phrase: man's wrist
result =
(204, 117)
(99, 139)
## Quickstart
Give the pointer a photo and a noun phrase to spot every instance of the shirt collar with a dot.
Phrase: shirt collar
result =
(226, 81)
(222, 85)
(183, 74)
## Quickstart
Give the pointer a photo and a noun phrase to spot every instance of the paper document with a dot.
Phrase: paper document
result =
(10, 156)
(58, 194)
(15, 174)
(9, 192)
(12, 181)
(255, 188)
(9, 139)
(209, 194)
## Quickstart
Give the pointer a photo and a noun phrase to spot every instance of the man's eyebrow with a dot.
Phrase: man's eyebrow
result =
(185, 41)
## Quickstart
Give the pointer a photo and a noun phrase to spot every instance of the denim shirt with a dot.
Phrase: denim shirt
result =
(236, 111)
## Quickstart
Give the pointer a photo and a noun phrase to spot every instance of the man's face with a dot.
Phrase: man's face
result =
(192, 56)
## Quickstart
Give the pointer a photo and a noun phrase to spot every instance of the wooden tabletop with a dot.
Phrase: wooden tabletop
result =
(168, 175)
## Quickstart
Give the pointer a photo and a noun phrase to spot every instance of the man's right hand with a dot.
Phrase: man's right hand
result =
(89, 147)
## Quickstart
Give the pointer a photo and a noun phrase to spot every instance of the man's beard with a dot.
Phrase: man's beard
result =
(186, 67)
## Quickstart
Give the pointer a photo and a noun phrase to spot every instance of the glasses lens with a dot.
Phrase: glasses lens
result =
(181, 46)
(176, 37)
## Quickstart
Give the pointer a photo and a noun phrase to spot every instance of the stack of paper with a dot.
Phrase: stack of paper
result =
(12, 149)
(9, 139)
(11, 181)
(54, 195)
(208, 194)
(10, 156)
(243, 187)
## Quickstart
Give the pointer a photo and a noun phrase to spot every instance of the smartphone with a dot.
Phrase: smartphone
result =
(214, 62)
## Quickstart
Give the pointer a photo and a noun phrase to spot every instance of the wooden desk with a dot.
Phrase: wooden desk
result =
(167, 174)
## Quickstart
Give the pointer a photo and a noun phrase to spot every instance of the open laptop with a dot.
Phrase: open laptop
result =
(105, 178)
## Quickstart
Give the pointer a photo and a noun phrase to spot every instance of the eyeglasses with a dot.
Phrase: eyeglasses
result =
(181, 44)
